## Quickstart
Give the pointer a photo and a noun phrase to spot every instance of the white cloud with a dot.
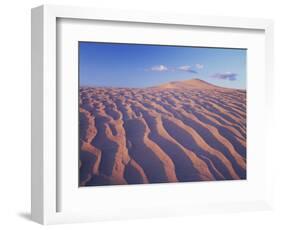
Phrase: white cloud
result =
(159, 68)
(163, 68)
(184, 67)
(199, 66)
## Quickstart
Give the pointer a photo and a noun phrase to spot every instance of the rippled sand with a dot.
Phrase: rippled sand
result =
(177, 132)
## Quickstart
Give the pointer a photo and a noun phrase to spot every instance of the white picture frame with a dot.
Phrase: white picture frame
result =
(46, 182)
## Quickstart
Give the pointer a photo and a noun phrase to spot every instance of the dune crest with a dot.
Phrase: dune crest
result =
(175, 132)
(189, 84)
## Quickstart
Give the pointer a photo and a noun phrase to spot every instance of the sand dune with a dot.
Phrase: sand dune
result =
(176, 132)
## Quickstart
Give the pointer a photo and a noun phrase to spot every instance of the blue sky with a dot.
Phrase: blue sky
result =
(134, 65)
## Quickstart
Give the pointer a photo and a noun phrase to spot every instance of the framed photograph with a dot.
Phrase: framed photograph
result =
(140, 114)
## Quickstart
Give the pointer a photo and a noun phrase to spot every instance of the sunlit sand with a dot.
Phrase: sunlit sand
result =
(175, 132)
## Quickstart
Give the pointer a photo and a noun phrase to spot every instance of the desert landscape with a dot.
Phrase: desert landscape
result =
(181, 131)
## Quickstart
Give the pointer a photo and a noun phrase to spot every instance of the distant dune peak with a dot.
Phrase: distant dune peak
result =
(188, 84)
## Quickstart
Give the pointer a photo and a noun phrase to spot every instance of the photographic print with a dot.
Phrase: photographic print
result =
(161, 113)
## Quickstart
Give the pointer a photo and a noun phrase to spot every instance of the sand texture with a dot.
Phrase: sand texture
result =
(176, 132)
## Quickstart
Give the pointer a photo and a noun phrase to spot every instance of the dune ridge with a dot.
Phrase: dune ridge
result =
(176, 132)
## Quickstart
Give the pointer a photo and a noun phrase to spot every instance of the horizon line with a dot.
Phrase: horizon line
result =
(125, 87)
